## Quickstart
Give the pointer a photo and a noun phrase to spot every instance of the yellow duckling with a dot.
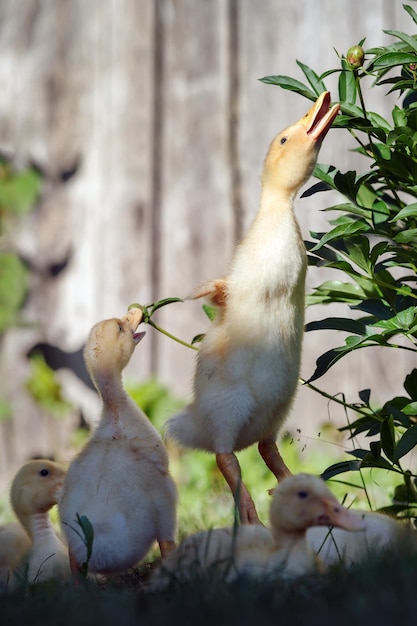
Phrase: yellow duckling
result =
(120, 481)
(14, 544)
(249, 360)
(298, 503)
(381, 532)
(35, 490)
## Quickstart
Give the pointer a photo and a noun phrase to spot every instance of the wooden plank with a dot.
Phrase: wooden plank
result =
(197, 221)
(83, 93)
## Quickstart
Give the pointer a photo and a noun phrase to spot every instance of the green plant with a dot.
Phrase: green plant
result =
(86, 534)
(19, 192)
(45, 388)
(373, 245)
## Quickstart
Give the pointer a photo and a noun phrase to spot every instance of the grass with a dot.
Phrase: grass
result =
(381, 590)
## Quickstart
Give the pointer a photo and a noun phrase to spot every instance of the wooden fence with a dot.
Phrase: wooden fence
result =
(150, 125)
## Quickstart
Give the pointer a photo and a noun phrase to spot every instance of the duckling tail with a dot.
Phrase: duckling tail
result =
(182, 429)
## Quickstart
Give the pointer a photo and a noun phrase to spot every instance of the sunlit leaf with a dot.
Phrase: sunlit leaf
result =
(391, 59)
(291, 84)
(315, 81)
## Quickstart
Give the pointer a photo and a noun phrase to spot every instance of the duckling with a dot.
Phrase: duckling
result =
(381, 532)
(298, 503)
(120, 480)
(35, 490)
(14, 544)
(248, 362)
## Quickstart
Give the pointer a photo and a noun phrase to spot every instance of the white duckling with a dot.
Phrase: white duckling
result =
(120, 481)
(14, 544)
(249, 360)
(298, 503)
(35, 490)
(381, 532)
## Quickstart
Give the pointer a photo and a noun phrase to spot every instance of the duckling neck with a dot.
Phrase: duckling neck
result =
(116, 402)
(39, 527)
(111, 390)
(274, 196)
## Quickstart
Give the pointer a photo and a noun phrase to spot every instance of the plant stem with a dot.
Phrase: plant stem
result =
(167, 334)
(343, 403)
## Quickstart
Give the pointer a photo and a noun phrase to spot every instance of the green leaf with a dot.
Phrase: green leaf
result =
(391, 59)
(291, 84)
(410, 409)
(13, 289)
(403, 321)
(158, 305)
(210, 311)
(45, 387)
(365, 396)
(358, 251)
(407, 442)
(337, 323)
(388, 437)
(347, 87)
(408, 39)
(410, 384)
(340, 468)
(340, 292)
(19, 193)
(315, 81)
(406, 236)
(411, 12)
(326, 361)
(198, 338)
(341, 232)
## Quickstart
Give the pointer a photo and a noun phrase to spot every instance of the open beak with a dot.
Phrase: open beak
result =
(334, 514)
(320, 117)
(133, 318)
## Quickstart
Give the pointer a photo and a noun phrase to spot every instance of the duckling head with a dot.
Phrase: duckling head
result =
(36, 487)
(302, 501)
(293, 153)
(111, 344)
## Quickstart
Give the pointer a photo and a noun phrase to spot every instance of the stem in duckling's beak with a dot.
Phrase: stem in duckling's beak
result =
(133, 318)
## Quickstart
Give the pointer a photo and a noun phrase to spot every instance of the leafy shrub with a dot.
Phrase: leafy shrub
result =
(373, 245)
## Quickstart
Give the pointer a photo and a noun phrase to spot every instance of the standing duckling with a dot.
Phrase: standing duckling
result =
(120, 481)
(299, 502)
(249, 360)
(35, 490)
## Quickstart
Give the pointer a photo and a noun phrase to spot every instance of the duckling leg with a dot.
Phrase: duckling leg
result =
(75, 568)
(230, 468)
(166, 547)
(269, 452)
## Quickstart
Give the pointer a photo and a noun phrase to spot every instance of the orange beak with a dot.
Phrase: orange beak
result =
(334, 514)
(320, 117)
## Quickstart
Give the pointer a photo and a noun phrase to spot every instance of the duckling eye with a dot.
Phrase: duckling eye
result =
(43, 472)
(283, 140)
(120, 327)
(303, 494)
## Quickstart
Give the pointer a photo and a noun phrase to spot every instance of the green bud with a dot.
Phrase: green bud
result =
(355, 57)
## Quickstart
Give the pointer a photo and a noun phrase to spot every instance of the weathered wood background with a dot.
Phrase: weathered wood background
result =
(158, 106)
